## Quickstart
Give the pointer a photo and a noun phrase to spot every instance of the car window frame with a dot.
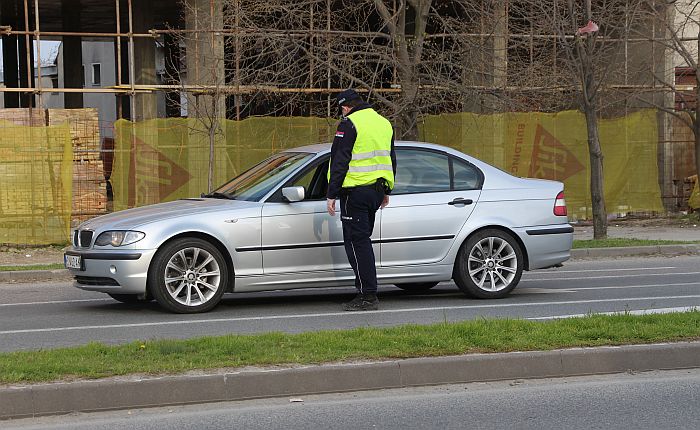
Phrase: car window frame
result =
(450, 161)
(314, 163)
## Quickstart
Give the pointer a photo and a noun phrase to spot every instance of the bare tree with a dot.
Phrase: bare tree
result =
(589, 40)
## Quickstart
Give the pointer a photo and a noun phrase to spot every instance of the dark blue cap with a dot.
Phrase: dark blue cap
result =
(346, 96)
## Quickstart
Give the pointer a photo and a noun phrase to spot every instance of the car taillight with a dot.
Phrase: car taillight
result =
(560, 205)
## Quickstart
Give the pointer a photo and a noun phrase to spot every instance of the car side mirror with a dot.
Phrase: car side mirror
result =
(293, 194)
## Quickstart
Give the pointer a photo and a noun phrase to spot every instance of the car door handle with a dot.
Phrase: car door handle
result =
(461, 201)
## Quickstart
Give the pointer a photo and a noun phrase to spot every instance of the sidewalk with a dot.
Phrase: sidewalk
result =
(682, 233)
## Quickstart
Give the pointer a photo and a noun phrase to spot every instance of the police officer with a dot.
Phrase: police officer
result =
(361, 175)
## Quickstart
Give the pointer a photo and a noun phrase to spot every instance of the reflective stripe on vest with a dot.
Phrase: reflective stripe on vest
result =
(371, 153)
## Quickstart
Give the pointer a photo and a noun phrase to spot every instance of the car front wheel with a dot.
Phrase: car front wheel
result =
(489, 265)
(188, 275)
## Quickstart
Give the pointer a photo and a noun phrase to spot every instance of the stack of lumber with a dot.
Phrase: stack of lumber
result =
(89, 184)
(22, 116)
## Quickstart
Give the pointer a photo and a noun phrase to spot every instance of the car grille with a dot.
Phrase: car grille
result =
(96, 280)
(75, 238)
(85, 238)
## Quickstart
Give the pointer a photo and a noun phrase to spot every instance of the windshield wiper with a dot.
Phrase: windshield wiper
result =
(217, 195)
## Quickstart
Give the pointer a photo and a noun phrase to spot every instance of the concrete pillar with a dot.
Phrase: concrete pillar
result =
(8, 16)
(123, 101)
(72, 65)
(205, 56)
(145, 104)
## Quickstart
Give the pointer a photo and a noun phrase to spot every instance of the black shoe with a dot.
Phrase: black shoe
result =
(361, 302)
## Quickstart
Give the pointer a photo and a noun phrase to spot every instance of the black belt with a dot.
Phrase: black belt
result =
(378, 185)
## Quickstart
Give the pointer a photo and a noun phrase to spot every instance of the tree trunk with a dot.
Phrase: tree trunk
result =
(600, 220)
(210, 177)
(696, 118)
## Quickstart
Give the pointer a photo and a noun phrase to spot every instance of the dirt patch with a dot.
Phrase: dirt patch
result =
(10, 256)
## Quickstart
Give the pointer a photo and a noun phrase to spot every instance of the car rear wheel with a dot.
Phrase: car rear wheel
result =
(489, 265)
(188, 275)
(417, 287)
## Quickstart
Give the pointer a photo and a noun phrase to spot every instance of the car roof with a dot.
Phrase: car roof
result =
(324, 147)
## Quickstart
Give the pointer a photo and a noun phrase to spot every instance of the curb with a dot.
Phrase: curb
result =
(636, 250)
(52, 275)
(141, 392)
(35, 275)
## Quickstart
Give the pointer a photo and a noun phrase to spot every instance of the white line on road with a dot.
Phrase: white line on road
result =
(334, 314)
(630, 269)
(56, 302)
(622, 287)
(522, 290)
(609, 277)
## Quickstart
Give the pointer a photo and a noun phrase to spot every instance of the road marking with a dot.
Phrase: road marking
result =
(605, 270)
(622, 287)
(538, 291)
(626, 312)
(334, 314)
(57, 302)
(609, 277)
(516, 291)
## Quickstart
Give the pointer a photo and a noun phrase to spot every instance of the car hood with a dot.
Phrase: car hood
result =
(131, 218)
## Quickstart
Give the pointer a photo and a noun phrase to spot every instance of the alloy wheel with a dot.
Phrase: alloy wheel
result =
(192, 276)
(492, 264)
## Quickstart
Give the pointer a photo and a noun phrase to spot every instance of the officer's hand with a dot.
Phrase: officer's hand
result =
(330, 206)
(385, 201)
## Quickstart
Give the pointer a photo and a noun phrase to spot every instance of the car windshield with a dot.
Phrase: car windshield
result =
(256, 182)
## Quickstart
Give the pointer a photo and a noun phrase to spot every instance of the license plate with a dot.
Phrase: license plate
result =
(72, 262)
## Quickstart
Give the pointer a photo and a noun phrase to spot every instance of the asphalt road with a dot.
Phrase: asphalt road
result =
(652, 400)
(48, 315)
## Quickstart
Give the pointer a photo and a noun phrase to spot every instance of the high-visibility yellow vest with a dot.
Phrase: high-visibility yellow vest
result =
(371, 154)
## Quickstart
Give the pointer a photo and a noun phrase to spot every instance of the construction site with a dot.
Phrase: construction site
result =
(111, 104)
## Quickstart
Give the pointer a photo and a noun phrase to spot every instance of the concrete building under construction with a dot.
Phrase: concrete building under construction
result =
(140, 60)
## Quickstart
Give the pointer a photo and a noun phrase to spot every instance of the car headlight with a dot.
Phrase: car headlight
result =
(119, 238)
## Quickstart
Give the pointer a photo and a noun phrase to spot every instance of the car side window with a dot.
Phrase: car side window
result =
(465, 176)
(313, 179)
(421, 172)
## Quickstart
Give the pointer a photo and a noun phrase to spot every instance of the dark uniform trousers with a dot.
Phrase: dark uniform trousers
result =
(358, 206)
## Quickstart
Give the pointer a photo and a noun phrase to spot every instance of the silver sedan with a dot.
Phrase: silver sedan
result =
(450, 216)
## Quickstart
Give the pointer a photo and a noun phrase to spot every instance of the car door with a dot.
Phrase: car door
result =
(434, 195)
(301, 236)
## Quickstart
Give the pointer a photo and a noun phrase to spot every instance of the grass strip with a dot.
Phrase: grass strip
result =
(23, 267)
(96, 360)
(622, 242)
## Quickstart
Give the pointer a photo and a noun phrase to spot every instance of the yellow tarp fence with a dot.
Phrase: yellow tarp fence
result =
(167, 159)
(554, 146)
(694, 200)
(36, 171)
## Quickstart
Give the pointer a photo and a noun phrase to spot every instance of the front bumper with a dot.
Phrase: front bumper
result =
(112, 271)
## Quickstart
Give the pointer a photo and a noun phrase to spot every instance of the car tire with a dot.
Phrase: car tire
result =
(417, 287)
(129, 298)
(188, 275)
(489, 265)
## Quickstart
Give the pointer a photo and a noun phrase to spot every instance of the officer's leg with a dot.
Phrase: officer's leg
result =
(361, 204)
(358, 245)
(346, 218)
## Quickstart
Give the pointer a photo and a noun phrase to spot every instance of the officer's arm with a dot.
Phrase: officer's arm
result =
(341, 154)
